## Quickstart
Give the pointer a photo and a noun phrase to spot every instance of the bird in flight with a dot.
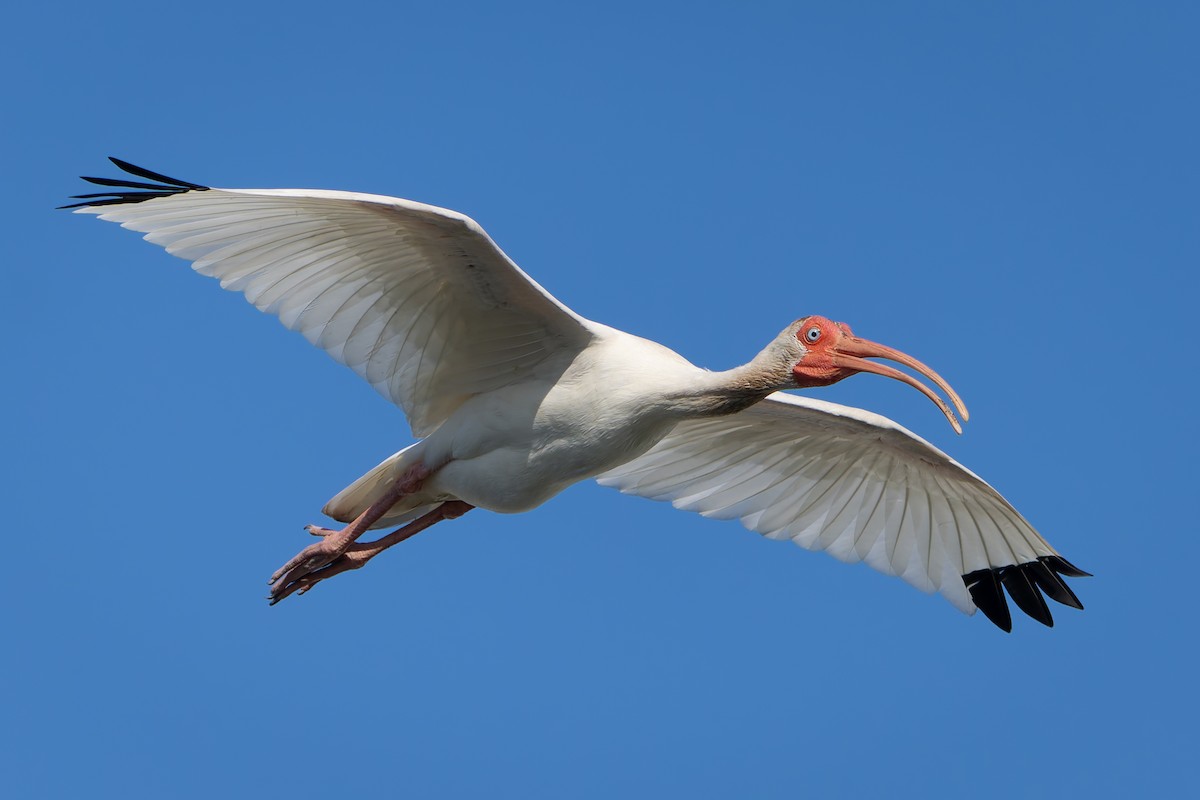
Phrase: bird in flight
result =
(514, 397)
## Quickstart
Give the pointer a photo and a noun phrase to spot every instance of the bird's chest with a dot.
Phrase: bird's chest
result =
(581, 432)
(517, 452)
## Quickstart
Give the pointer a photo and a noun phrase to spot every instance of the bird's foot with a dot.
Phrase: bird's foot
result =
(356, 556)
(319, 561)
(314, 564)
(333, 543)
(316, 556)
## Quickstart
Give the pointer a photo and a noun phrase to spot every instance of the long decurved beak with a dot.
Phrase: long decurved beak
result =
(852, 352)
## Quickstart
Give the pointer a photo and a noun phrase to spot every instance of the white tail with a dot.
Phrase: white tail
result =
(355, 498)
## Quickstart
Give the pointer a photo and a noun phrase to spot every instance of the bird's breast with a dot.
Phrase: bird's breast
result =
(514, 449)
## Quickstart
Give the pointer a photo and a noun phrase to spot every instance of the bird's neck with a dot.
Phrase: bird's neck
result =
(730, 391)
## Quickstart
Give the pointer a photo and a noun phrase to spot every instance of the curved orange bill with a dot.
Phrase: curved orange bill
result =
(852, 353)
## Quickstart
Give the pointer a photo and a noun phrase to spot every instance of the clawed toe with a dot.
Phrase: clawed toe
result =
(307, 560)
(314, 563)
(305, 581)
(298, 586)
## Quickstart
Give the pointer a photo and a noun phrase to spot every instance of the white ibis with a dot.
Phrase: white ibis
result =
(515, 397)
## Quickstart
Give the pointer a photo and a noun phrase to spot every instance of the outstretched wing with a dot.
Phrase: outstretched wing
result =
(416, 299)
(861, 488)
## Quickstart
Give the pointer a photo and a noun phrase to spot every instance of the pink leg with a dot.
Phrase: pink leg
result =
(331, 547)
(359, 553)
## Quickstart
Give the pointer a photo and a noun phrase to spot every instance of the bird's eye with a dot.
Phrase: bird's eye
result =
(812, 334)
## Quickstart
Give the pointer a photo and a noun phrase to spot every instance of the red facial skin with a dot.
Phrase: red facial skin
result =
(834, 353)
(817, 368)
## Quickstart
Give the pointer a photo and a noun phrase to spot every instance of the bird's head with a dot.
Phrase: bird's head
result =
(830, 353)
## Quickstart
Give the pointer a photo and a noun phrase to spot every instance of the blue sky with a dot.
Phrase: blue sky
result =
(1007, 191)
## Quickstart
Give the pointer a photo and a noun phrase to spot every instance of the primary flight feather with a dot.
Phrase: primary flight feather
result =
(515, 397)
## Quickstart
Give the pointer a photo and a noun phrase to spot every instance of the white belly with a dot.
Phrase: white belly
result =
(502, 480)
(514, 449)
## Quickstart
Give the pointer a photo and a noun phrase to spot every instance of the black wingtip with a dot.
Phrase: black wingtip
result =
(1025, 584)
(121, 182)
(163, 186)
(142, 172)
(1064, 567)
(1054, 587)
(1024, 592)
(984, 586)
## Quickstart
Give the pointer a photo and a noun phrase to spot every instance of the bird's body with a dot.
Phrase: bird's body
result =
(511, 449)
(515, 397)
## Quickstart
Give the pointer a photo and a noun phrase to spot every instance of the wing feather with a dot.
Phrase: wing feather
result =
(855, 485)
(417, 300)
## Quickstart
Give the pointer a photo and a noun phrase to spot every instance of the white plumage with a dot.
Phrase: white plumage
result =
(517, 397)
(838, 479)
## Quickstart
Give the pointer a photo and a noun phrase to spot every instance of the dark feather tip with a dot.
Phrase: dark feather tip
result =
(121, 182)
(1054, 587)
(985, 590)
(1026, 595)
(1025, 583)
(142, 172)
(163, 186)
(1064, 567)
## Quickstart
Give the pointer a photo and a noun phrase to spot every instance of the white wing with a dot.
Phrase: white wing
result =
(861, 488)
(416, 299)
